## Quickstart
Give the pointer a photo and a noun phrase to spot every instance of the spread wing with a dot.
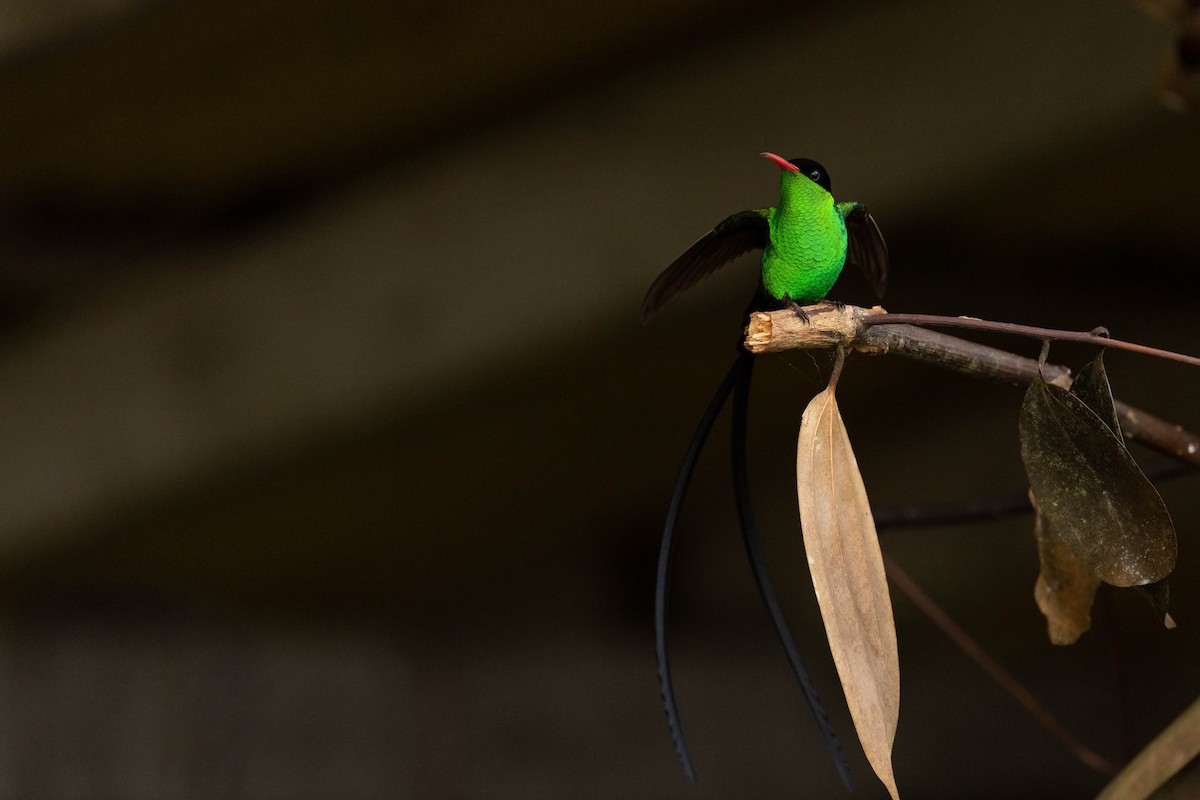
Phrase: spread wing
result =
(865, 247)
(736, 235)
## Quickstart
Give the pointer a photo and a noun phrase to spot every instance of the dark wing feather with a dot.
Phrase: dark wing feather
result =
(866, 249)
(738, 234)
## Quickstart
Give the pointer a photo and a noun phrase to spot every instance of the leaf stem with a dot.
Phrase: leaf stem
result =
(838, 362)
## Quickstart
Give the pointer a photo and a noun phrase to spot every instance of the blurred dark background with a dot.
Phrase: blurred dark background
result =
(333, 457)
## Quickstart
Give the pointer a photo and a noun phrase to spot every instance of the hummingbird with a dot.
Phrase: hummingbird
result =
(807, 239)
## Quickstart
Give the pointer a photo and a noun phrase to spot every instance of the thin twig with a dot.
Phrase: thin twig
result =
(994, 508)
(829, 326)
(1003, 678)
(1085, 337)
(1171, 751)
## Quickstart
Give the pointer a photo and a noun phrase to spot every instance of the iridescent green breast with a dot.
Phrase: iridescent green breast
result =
(808, 245)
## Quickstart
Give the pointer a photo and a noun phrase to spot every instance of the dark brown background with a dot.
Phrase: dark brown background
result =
(333, 456)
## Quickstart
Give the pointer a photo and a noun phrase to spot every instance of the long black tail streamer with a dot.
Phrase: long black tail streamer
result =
(664, 560)
(741, 490)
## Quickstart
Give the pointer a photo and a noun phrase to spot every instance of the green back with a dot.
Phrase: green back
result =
(808, 242)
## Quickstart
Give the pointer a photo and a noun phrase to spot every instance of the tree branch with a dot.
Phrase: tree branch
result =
(1098, 336)
(829, 326)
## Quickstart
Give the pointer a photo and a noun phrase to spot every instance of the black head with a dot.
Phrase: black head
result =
(813, 171)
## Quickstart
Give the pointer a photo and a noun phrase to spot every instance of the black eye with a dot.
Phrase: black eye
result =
(815, 175)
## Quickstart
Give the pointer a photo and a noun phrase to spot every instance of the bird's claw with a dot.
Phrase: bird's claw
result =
(799, 309)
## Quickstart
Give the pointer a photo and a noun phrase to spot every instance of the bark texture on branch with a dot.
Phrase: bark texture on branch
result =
(829, 325)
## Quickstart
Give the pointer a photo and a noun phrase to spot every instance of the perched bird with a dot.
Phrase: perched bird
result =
(806, 241)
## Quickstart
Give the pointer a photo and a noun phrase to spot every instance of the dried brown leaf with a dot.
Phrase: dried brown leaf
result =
(1092, 387)
(1159, 595)
(1065, 586)
(848, 575)
(1092, 491)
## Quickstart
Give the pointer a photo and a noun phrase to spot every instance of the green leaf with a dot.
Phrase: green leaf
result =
(1091, 491)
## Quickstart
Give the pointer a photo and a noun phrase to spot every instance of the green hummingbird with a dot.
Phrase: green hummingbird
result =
(807, 239)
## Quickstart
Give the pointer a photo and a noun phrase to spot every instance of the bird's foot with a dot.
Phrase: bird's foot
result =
(799, 309)
(822, 307)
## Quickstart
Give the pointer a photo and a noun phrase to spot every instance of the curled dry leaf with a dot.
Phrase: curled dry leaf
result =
(1092, 387)
(1065, 586)
(848, 575)
(1159, 595)
(1092, 492)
